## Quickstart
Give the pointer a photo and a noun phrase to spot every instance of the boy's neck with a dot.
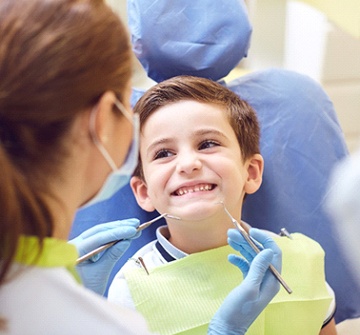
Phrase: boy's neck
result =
(191, 237)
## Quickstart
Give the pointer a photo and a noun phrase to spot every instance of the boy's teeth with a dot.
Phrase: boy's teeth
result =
(197, 188)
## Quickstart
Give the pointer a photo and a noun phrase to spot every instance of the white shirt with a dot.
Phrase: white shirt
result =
(50, 301)
(46, 298)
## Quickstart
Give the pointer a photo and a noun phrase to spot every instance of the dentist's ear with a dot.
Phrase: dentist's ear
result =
(255, 168)
(139, 189)
(104, 123)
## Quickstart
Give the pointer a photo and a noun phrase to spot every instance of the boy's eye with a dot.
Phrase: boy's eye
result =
(162, 154)
(208, 144)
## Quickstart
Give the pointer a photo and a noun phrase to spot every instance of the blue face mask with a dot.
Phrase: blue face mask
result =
(119, 177)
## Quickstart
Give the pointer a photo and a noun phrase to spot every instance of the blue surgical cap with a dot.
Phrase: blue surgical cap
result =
(189, 37)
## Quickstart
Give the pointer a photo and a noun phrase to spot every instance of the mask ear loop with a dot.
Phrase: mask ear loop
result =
(97, 142)
(123, 110)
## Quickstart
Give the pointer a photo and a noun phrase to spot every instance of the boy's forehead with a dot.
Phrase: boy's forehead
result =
(185, 119)
(185, 112)
(188, 105)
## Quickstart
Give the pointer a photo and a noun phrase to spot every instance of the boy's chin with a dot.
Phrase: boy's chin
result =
(199, 211)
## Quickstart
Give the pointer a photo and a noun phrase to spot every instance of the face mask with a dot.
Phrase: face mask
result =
(119, 177)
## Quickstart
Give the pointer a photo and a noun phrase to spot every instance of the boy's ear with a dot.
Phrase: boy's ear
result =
(139, 189)
(255, 168)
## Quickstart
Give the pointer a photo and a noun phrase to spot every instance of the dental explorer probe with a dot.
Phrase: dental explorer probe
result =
(252, 244)
(110, 244)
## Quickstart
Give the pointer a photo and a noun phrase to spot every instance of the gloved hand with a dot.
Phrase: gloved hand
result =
(245, 302)
(95, 272)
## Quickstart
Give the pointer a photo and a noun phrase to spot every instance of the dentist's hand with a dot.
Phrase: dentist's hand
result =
(245, 302)
(95, 272)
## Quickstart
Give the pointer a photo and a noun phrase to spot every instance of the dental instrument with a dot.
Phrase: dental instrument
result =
(110, 244)
(253, 245)
(143, 264)
(284, 232)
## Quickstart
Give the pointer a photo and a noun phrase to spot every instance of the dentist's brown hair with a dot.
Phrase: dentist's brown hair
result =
(57, 57)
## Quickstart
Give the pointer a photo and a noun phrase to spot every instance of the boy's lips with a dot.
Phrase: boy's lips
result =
(202, 187)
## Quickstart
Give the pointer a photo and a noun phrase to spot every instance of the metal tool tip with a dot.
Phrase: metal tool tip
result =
(172, 216)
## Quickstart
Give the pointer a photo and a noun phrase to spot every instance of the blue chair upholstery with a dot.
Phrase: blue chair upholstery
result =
(301, 139)
(301, 142)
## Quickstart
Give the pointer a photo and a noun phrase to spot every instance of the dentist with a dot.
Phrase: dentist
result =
(69, 139)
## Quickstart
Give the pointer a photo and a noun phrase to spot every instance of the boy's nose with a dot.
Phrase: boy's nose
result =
(188, 162)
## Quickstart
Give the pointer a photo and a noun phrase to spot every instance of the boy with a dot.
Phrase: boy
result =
(200, 149)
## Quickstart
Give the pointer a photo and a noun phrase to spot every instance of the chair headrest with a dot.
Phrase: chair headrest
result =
(173, 38)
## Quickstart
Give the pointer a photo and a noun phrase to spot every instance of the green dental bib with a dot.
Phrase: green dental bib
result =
(181, 297)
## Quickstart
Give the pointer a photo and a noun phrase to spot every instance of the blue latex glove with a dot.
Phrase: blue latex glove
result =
(244, 303)
(95, 272)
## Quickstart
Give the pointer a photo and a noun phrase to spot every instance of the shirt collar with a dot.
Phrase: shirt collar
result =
(168, 251)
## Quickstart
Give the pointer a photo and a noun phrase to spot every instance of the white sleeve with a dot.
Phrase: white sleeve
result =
(119, 292)
(332, 308)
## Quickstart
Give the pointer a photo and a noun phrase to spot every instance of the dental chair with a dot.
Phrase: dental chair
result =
(301, 139)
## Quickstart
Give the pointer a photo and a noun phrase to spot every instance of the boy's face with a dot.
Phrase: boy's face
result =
(191, 161)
